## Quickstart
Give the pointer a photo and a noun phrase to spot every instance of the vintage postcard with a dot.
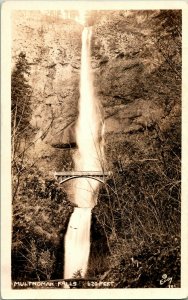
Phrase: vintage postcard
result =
(94, 145)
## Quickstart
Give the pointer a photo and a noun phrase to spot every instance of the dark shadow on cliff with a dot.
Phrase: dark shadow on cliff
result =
(99, 250)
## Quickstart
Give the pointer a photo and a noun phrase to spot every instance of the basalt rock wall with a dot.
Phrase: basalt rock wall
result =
(136, 63)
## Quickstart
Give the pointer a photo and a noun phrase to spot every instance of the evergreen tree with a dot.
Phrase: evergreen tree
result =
(20, 96)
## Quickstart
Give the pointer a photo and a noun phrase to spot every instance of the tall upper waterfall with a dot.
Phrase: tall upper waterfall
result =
(89, 157)
(88, 131)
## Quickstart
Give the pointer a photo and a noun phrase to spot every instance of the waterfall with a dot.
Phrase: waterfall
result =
(89, 157)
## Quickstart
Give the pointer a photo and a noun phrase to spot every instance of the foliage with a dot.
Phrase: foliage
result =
(147, 265)
(78, 274)
(21, 93)
(20, 96)
(40, 215)
(140, 212)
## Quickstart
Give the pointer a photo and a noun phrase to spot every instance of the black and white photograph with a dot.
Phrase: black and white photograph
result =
(95, 126)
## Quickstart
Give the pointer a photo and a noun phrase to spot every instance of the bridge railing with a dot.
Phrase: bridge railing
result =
(82, 174)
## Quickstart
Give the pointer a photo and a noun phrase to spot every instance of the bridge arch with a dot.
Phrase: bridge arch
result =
(65, 176)
(75, 177)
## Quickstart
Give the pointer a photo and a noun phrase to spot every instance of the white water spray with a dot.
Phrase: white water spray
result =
(89, 157)
(88, 131)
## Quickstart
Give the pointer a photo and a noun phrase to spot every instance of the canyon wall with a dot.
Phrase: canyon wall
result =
(136, 64)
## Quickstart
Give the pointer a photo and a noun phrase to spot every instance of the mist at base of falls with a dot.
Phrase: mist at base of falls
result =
(77, 242)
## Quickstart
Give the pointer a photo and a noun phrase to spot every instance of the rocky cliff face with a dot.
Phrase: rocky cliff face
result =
(136, 65)
(52, 48)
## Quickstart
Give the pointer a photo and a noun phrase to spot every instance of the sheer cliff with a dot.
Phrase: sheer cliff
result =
(136, 61)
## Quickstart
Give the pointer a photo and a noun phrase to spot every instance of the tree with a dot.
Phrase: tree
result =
(20, 113)
(20, 101)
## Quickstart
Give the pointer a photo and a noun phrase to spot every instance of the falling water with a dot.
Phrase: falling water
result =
(88, 158)
(88, 130)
